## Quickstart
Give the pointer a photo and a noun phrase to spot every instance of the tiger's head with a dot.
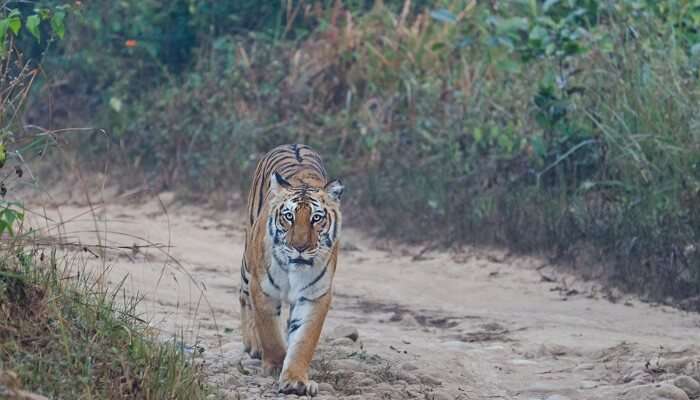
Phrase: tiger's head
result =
(304, 221)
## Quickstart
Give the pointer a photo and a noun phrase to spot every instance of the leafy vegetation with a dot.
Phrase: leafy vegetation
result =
(553, 125)
(62, 335)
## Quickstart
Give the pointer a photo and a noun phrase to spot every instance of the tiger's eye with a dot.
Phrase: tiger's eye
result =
(289, 216)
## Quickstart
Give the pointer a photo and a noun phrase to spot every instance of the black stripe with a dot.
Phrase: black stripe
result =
(243, 278)
(318, 278)
(275, 157)
(317, 166)
(303, 299)
(297, 152)
(261, 193)
(271, 229)
(335, 224)
(272, 281)
(281, 160)
(274, 152)
(293, 325)
(285, 170)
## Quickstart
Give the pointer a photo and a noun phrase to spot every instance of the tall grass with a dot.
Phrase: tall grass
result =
(64, 337)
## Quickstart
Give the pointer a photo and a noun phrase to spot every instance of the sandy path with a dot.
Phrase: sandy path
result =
(476, 324)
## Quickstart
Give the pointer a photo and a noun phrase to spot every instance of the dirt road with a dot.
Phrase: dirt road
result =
(473, 324)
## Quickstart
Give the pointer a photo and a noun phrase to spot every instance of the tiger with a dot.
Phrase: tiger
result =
(291, 253)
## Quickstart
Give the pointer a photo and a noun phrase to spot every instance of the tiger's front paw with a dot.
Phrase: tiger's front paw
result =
(251, 344)
(298, 387)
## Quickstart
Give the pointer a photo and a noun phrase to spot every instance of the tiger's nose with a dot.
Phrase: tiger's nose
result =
(300, 247)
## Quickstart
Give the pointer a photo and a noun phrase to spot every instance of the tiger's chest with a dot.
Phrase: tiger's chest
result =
(289, 282)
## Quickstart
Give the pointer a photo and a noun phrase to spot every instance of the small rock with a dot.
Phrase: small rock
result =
(344, 331)
(408, 321)
(587, 385)
(366, 381)
(324, 387)
(405, 376)
(639, 377)
(383, 387)
(689, 385)
(677, 364)
(662, 391)
(552, 350)
(261, 380)
(429, 380)
(407, 366)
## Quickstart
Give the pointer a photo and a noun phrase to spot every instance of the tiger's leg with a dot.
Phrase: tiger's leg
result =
(266, 315)
(251, 343)
(303, 330)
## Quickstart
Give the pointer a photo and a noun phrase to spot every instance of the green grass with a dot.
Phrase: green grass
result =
(66, 338)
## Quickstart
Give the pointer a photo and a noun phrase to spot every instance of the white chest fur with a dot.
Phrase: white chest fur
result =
(291, 282)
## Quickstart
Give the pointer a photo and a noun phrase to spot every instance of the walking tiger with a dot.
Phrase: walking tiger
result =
(291, 252)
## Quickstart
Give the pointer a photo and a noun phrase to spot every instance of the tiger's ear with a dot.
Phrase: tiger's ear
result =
(278, 182)
(335, 189)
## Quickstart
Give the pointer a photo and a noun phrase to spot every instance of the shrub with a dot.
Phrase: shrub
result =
(554, 125)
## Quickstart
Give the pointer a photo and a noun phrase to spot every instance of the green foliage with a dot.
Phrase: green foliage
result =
(555, 125)
(33, 26)
(16, 81)
(9, 216)
(11, 23)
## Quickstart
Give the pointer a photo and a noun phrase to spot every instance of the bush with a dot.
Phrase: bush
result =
(555, 125)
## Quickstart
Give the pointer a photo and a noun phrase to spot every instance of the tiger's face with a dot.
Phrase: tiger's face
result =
(304, 222)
